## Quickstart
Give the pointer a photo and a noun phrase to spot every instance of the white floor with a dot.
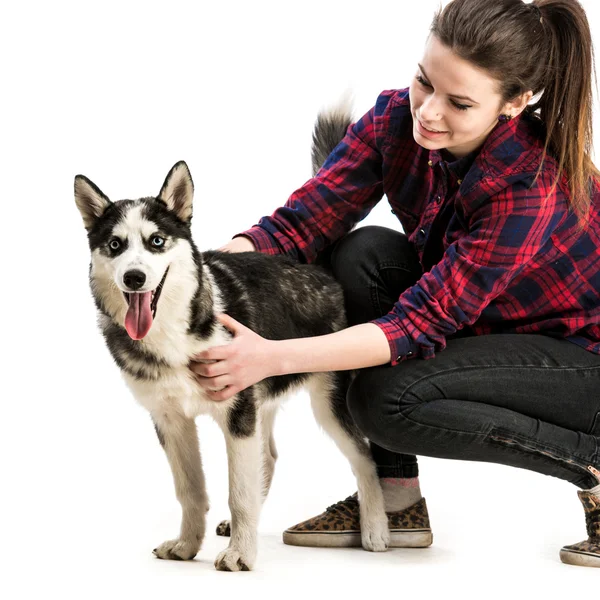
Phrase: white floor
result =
(466, 562)
(462, 562)
(87, 506)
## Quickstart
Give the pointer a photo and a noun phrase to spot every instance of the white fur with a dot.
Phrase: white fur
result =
(244, 459)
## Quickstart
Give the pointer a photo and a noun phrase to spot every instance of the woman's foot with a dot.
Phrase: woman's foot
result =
(339, 527)
(587, 553)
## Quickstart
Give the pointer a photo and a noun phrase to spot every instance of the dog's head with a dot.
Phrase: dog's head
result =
(133, 244)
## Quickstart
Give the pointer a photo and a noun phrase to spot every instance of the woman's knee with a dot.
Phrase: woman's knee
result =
(362, 249)
(380, 401)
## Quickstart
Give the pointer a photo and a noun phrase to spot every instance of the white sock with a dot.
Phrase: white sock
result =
(399, 493)
(595, 490)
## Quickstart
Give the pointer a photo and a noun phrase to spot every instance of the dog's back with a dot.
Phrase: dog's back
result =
(275, 296)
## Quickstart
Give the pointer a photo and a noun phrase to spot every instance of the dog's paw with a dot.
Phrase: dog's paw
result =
(375, 536)
(224, 528)
(177, 550)
(232, 560)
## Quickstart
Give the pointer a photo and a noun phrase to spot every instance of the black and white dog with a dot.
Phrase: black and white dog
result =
(157, 297)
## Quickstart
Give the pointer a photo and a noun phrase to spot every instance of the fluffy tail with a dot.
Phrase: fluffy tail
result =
(330, 128)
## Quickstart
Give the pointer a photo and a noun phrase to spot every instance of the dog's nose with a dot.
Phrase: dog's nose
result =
(134, 279)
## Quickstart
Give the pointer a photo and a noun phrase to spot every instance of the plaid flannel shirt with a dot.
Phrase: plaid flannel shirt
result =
(500, 254)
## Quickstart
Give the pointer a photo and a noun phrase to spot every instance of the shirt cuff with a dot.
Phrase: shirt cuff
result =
(401, 346)
(262, 241)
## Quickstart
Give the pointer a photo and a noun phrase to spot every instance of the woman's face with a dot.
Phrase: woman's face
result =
(451, 96)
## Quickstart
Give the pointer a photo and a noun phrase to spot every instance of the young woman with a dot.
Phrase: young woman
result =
(495, 282)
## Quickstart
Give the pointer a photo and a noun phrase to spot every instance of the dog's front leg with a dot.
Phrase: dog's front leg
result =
(244, 458)
(269, 457)
(179, 438)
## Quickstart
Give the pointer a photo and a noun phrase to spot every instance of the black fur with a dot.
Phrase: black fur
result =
(258, 290)
(241, 418)
(119, 343)
(167, 221)
(101, 232)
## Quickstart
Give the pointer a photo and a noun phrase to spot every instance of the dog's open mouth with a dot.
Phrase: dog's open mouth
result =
(141, 310)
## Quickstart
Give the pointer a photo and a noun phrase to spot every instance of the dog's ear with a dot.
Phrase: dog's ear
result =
(90, 200)
(177, 191)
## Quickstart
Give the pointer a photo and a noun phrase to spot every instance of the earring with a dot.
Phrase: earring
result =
(504, 118)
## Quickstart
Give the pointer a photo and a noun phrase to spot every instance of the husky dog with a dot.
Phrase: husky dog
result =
(157, 298)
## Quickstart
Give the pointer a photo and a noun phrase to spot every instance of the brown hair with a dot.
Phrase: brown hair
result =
(542, 46)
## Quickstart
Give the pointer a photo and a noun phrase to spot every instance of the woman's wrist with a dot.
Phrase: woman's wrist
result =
(239, 244)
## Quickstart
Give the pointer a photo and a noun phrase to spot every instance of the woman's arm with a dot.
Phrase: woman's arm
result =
(357, 347)
(250, 358)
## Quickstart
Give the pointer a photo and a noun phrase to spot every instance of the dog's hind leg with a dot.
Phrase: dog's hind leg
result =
(328, 400)
(269, 456)
(242, 438)
(179, 438)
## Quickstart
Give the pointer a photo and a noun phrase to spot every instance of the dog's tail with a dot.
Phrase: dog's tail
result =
(330, 128)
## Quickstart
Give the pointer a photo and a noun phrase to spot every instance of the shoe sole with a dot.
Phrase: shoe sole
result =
(580, 559)
(415, 538)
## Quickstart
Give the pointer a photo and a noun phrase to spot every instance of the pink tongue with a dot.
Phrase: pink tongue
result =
(139, 316)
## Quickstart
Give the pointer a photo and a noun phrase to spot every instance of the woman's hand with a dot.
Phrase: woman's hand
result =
(249, 358)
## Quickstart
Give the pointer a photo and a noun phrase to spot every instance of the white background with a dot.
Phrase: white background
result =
(120, 91)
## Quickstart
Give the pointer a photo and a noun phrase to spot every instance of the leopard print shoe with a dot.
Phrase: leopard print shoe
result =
(586, 553)
(339, 527)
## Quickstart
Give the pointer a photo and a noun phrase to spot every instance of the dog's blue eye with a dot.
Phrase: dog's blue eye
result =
(157, 241)
(114, 244)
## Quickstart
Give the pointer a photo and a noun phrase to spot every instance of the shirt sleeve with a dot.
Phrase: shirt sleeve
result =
(341, 194)
(506, 231)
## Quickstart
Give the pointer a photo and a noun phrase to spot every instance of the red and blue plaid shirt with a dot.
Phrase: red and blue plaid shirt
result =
(499, 254)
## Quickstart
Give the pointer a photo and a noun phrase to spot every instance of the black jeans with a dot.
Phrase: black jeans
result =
(529, 401)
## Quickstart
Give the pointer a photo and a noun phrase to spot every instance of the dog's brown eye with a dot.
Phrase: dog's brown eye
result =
(157, 241)
(114, 244)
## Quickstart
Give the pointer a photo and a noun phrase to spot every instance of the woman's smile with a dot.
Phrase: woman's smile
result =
(432, 134)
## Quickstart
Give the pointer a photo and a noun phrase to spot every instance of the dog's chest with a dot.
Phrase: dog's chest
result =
(175, 390)
(173, 385)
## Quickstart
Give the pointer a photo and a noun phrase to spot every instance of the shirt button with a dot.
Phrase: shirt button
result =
(438, 199)
(422, 231)
(459, 181)
(430, 163)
